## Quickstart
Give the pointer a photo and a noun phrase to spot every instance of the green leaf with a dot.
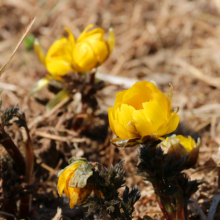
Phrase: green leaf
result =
(29, 42)
(57, 99)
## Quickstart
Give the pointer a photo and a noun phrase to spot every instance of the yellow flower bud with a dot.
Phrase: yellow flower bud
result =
(182, 147)
(91, 49)
(73, 181)
(142, 111)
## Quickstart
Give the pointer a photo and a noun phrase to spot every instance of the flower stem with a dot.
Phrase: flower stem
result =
(172, 206)
(92, 77)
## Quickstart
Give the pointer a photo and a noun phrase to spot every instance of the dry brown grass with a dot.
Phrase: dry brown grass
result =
(170, 41)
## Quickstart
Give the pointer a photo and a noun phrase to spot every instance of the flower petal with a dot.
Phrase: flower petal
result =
(58, 60)
(70, 37)
(123, 122)
(119, 99)
(169, 126)
(189, 143)
(138, 94)
(74, 194)
(111, 118)
(160, 97)
(83, 34)
(65, 175)
(95, 34)
(84, 58)
(100, 49)
(169, 96)
(111, 40)
(149, 119)
(39, 51)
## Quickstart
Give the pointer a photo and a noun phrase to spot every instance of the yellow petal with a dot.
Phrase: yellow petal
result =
(83, 34)
(85, 192)
(119, 99)
(95, 34)
(169, 96)
(65, 175)
(83, 57)
(170, 125)
(149, 119)
(160, 97)
(58, 60)
(138, 94)
(63, 182)
(74, 196)
(70, 38)
(111, 118)
(123, 123)
(99, 193)
(111, 40)
(39, 51)
(100, 50)
(189, 143)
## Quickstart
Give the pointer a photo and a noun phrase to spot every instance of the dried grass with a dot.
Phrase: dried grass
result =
(169, 41)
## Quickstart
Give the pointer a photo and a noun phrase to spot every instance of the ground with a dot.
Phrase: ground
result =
(170, 42)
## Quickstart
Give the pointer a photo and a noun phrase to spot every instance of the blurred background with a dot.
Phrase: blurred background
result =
(168, 41)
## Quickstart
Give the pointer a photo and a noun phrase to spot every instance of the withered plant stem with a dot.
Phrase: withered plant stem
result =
(25, 205)
(13, 151)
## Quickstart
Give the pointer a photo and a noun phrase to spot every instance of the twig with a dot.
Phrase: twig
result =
(198, 208)
(117, 80)
(193, 71)
(8, 214)
(213, 207)
(48, 114)
(59, 138)
(58, 216)
(11, 87)
(17, 46)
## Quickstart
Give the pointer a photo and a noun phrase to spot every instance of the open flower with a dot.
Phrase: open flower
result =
(65, 55)
(73, 181)
(182, 147)
(142, 112)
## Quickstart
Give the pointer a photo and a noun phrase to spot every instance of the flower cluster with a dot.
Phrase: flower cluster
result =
(89, 51)
(67, 55)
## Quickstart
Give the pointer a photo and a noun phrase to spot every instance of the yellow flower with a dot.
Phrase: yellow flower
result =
(91, 49)
(58, 59)
(73, 181)
(142, 111)
(182, 147)
(65, 55)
